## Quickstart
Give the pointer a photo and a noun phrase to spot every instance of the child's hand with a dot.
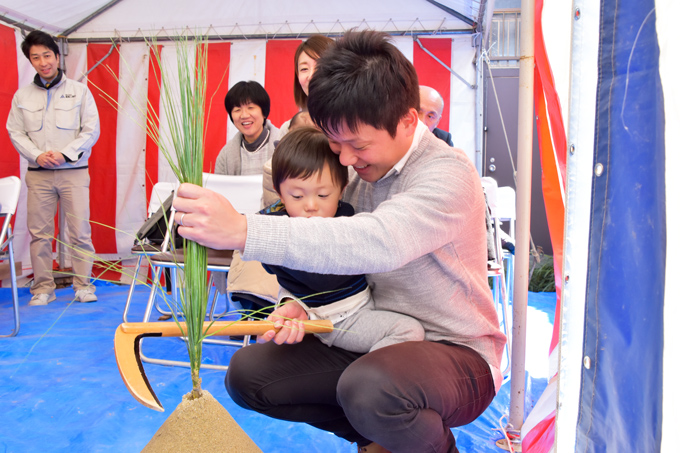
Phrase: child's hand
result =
(286, 320)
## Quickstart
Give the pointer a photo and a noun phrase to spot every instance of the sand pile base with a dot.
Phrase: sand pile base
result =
(200, 425)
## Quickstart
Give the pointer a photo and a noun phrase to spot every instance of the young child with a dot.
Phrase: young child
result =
(310, 181)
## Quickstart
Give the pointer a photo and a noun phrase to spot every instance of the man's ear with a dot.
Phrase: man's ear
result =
(410, 121)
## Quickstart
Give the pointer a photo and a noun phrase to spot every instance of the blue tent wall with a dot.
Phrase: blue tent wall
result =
(621, 393)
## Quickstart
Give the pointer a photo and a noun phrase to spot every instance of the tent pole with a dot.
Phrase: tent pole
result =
(92, 16)
(479, 112)
(525, 132)
(454, 13)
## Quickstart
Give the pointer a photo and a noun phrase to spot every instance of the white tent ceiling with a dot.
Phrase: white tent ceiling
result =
(233, 19)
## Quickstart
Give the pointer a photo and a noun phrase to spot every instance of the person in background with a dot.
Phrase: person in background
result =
(430, 112)
(419, 237)
(248, 106)
(53, 123)
(305, 63)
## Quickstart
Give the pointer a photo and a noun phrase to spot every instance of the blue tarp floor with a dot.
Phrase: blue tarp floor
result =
(61, 390)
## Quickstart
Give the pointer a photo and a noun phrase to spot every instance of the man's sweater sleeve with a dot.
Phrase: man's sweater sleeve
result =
(430, 208)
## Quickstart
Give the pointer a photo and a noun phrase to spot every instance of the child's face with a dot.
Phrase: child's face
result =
(316, 196)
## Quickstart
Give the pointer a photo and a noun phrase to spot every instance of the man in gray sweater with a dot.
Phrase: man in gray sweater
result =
(419, 235)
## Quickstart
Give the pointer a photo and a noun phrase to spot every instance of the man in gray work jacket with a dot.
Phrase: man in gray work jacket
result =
(53, 124)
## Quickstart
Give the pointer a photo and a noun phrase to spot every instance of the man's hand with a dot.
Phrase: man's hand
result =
(208, 218)
(49, 160)
(57, 156)
(288, 318)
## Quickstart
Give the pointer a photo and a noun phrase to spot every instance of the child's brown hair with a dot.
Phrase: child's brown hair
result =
(302, 153)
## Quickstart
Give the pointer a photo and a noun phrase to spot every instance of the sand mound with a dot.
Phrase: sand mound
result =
(200, 425)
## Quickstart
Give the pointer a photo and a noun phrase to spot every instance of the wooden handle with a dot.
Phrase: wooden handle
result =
(221, 328)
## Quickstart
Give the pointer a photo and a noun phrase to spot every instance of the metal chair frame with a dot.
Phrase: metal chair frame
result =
(507, 212)
(500, 268)
(145, 249)
(245, 194)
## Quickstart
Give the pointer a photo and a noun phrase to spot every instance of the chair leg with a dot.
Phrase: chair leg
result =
(15, 295)
(508, 331)
(510, 273)
(500, 299)
(132, 288)
(175, 295)
(152, 297)
(146, 359)
(175, 291)
(213, 302)
(506, 318)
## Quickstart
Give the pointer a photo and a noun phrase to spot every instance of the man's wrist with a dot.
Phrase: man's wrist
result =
(242, 233)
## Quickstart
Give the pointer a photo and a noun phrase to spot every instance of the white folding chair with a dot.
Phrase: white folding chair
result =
(245, 194)
(506, 205)
(496, 269)
(143, 249)
(9, 198)
(507, 212)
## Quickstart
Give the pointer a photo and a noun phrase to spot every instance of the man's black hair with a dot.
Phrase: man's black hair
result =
(245, 92)
(362, 79)
(38, 38)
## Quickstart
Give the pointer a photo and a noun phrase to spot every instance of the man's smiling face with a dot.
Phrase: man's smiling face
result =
(44, 61)
(373, 152)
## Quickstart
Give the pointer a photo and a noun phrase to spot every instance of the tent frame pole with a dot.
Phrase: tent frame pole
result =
(92, 16)
(479, 112)
(525, 132)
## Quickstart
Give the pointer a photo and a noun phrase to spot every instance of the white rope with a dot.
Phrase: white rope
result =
(512, 436)
(485, 58)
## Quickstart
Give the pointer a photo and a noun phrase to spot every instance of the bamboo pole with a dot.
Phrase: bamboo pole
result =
(525, 132)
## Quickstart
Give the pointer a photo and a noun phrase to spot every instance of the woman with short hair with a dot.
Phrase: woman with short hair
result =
(248, 105)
